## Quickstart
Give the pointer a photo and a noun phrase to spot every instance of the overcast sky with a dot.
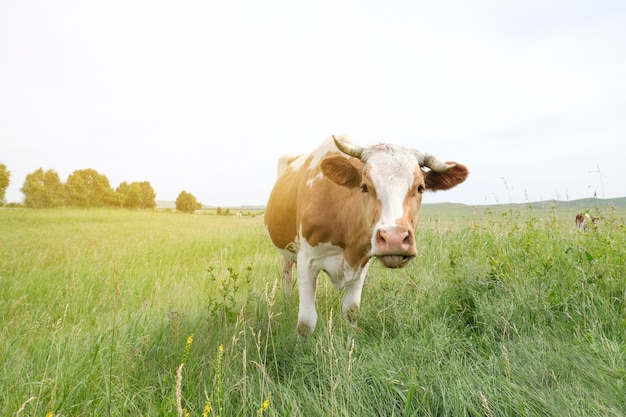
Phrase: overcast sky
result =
(204, 96)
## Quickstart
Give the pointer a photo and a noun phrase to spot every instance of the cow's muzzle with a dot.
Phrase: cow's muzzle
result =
(395, 246)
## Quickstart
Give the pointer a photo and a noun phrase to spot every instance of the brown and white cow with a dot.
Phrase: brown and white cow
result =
(583, 220)
(335, 208)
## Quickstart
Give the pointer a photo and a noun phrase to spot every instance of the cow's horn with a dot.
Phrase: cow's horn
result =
(428, 160)
(348, 148)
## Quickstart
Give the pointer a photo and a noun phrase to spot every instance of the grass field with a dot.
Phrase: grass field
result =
(504, 313)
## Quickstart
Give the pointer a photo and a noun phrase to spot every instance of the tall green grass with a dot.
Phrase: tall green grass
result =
(503, 314)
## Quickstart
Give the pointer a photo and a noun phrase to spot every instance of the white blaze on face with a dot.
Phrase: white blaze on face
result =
(392, 176)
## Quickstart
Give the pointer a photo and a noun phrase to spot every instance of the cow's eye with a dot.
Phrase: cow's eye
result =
(420, 188)
(364, 188)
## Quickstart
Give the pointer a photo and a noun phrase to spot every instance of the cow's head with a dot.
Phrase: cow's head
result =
(391, 179)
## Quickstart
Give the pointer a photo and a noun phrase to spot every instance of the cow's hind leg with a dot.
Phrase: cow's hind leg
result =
(287, 271)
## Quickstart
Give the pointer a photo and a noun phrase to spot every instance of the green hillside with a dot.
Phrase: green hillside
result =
(576, 205)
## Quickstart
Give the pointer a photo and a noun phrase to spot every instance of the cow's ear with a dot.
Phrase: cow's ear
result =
(445, 180)
(342, 170)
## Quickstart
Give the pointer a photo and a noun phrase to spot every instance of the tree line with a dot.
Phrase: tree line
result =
(87, 188)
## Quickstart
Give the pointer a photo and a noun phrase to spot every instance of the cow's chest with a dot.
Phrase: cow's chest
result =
(328, 258)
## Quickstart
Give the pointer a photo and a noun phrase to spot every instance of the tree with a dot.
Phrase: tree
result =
(5, 180)
(131, 196)
(148, 196)
(187, 203)
(43, 189)
(88, 188)
(137, 195)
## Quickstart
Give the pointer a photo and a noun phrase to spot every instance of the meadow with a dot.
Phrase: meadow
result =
(506, 312)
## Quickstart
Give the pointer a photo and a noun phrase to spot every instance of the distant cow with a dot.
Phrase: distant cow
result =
(335, 208)
(583, 220)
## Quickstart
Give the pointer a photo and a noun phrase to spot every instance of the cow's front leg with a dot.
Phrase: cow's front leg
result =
(307, 283)
(352, 297)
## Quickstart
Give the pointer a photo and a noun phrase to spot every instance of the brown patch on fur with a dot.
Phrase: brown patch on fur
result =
(282, 209)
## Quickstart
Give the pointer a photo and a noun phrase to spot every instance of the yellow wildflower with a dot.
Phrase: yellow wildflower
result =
(266, 404)
(207, 409)
(187, 348)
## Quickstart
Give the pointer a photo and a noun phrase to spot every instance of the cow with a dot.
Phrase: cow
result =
(341, 205)
(583, 219)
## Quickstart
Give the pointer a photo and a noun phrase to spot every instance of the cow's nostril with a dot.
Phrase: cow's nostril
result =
(381, 241)
(408, 239)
